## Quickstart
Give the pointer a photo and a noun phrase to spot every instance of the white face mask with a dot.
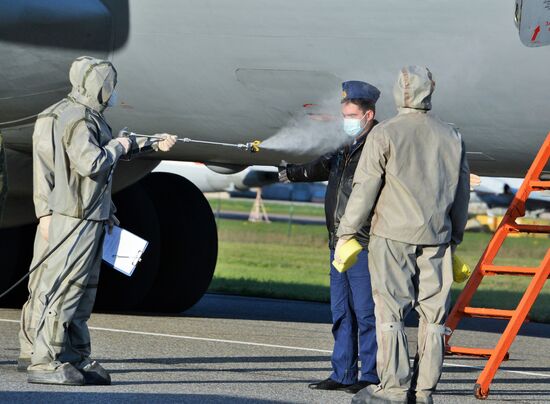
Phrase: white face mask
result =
(113, 100)
(352, 126)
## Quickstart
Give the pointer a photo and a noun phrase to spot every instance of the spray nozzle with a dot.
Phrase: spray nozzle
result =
(252, 147)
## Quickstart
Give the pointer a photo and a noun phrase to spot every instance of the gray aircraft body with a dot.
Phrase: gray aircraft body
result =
(234, 71)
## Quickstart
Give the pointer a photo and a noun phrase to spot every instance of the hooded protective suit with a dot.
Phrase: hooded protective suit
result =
(87, 151)
(43, 183)
(85, 154)
(416, 165)
(413, 175)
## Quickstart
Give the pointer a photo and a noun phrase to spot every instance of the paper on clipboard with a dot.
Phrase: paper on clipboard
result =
(122, 250)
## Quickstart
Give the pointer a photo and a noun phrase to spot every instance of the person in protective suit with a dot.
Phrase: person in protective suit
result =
(84, 156)
(3, 177)
(43, 182)
(351, 300)
(414, 176)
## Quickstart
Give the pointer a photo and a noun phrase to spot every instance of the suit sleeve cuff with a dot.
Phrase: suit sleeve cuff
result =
(115, 149)
(345, 232)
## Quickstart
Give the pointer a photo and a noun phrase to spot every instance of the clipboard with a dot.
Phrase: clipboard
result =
(123, 250)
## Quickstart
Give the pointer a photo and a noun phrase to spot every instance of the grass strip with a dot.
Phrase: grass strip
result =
(243, 205)
(275, 260)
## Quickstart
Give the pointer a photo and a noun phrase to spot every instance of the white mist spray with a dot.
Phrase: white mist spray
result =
(315, 131)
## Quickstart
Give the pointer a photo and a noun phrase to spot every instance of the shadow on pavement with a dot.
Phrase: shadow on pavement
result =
(84, 397)
(231, 370)
(263, 309)
(500, 380)
(213, 381)
(495, 393)
(221, 359)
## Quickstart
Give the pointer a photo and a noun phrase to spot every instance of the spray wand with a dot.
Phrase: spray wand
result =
(252, 147)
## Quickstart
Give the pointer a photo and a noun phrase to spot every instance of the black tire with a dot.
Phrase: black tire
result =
(118, 292)
(16, 250)
(9, 250)
(189, 243)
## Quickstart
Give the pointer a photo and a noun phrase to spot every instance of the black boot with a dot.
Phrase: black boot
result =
(328, 384)
(65, 374)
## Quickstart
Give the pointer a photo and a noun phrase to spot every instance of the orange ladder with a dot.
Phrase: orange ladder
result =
(485, 267)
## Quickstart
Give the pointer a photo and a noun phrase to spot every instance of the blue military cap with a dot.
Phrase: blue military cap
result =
(359, 89)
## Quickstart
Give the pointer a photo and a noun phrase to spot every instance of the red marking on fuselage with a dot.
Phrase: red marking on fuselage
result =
(535, 34)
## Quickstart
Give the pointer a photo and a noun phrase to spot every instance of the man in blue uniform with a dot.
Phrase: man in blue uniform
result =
(351, 300)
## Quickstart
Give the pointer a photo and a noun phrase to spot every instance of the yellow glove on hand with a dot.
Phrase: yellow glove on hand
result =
(345, 255)
(461, 270)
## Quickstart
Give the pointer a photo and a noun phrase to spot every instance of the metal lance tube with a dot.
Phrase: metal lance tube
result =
(252, 147)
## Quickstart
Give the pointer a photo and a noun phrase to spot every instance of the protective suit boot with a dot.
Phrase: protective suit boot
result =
(376, 395)
(65, 374)
(94, 373)
(23, 364)
(357, 387)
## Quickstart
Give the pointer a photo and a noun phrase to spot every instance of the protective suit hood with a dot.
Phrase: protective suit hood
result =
(93, 82)
(413, 88)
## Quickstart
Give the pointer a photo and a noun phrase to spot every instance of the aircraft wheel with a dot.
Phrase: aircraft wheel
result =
(118, 292)
(16, 245)
(189, 243)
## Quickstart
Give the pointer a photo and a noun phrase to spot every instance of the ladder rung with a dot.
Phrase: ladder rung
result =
(530, 228)
(540, 184)
(488, 313)
(478, 352)
(508, 270)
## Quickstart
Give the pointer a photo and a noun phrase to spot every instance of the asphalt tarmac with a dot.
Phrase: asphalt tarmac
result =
(245, 350)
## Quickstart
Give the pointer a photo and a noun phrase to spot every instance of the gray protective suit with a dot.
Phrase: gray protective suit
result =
(85, 155)
(43, 183)
(3, 177)
(414, 176)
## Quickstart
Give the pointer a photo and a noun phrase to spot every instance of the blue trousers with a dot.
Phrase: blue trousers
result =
(353, 323)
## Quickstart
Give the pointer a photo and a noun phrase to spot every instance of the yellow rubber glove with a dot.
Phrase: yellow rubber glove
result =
(461, 270)
(345, 255)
